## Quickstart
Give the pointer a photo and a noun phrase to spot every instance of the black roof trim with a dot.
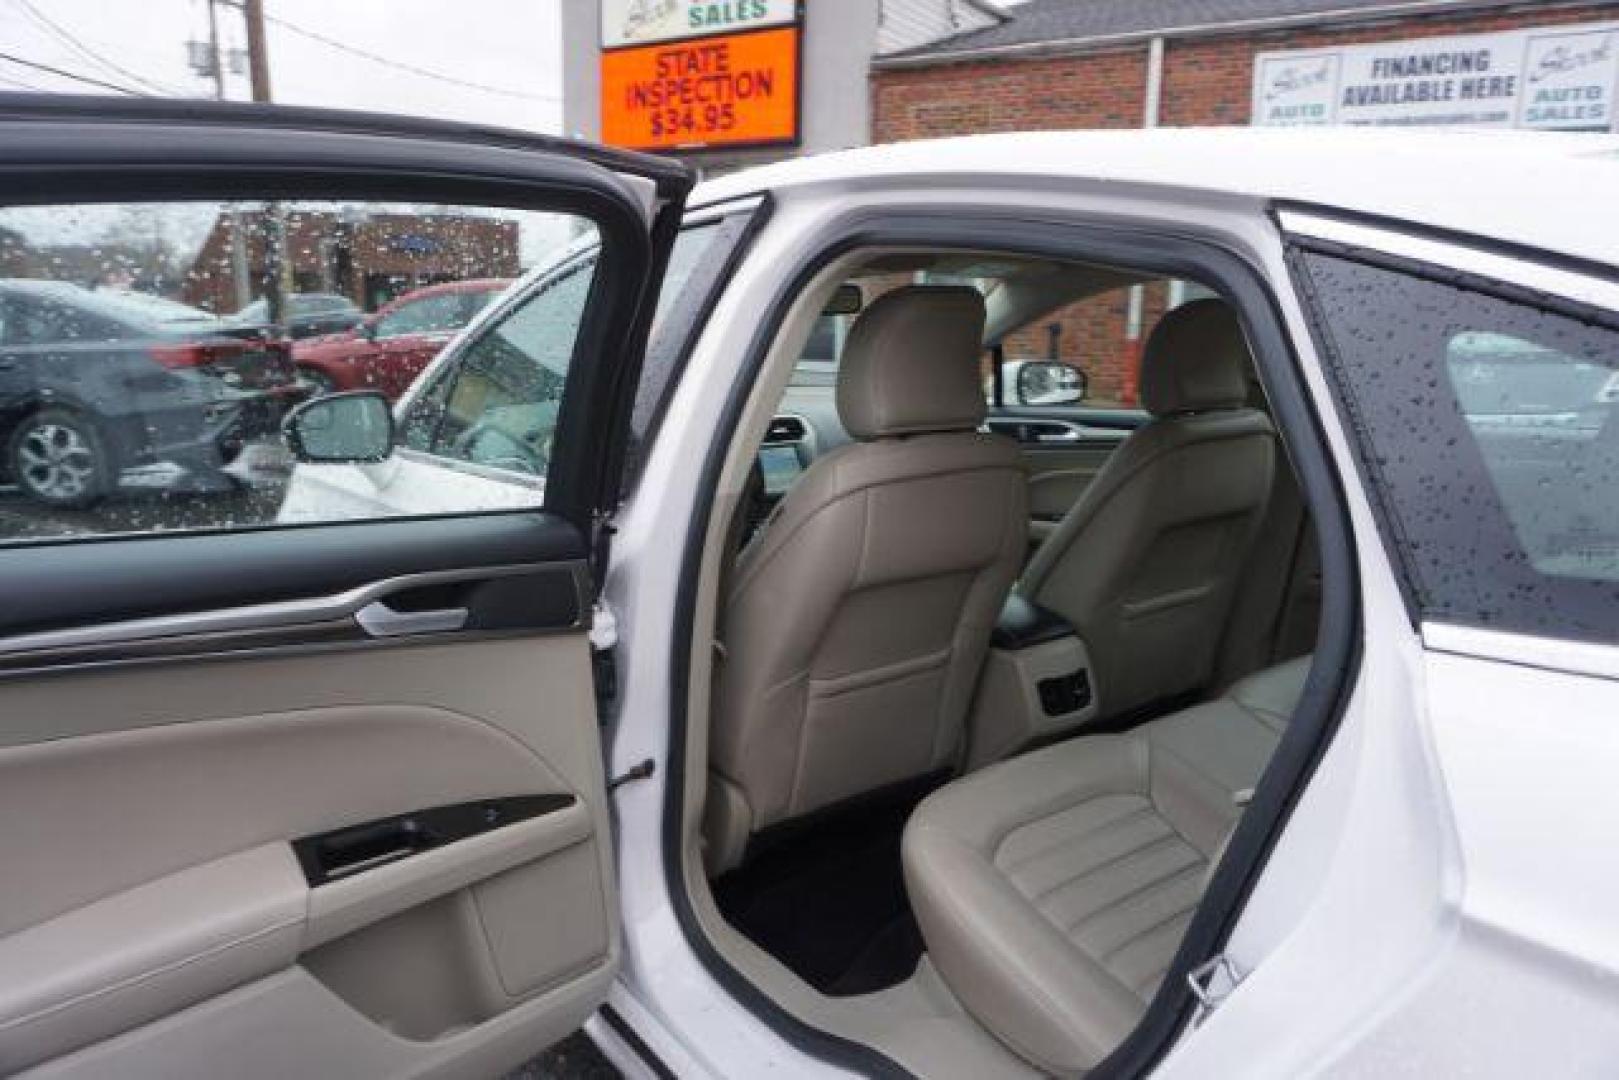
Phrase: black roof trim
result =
(673, 179)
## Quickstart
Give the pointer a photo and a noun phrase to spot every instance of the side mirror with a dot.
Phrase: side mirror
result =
(367, 328)
(357, 426)
(1048, 382)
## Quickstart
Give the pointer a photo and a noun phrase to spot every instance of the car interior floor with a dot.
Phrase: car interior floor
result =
(827, 896)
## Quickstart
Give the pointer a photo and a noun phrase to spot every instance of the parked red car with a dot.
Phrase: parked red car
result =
(390, 348)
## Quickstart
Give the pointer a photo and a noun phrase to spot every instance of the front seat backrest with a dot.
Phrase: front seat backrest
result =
(857, 620)
(1145, 564)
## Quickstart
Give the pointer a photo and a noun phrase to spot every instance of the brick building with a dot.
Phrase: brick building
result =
(370, 261)
(1064, 64)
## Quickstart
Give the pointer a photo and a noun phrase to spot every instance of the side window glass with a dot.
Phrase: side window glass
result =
(1489, 426)
(50, 316)
(159, 366)
(500, 402)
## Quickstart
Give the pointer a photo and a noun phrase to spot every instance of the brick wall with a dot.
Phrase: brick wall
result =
(1206, 82)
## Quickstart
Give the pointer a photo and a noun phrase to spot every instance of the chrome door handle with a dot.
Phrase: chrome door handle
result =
(380, 620)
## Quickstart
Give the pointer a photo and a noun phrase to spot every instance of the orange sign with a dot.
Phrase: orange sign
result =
(739, 89)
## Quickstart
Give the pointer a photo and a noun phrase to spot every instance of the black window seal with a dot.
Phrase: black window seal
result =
(1491, 245)
(673, 179)
(1337, 654)
(695, 318)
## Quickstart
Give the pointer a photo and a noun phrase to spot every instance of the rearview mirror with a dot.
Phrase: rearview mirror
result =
(357, 426)
(1049, 382)
(847, 300)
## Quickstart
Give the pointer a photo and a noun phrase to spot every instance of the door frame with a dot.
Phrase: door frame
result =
(1083, 237)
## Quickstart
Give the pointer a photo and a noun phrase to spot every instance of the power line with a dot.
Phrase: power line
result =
(78, 46)
(70, 75)
(425, 73)
(18, 83)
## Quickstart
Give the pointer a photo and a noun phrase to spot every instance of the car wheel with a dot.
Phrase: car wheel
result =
(57, 457)
(318, 379)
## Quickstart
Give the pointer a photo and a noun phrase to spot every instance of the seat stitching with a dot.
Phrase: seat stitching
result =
(1134, 894)
(1058, 805)
(1067, 839)
(837, 685)
(1054, 1010)
(1144, 932)
(1089, 872)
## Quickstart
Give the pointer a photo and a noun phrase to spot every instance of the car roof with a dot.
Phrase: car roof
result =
(466, 285)
(1545, 190)
(72, 294)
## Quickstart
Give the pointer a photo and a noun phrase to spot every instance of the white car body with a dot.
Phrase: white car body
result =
(1439, 903)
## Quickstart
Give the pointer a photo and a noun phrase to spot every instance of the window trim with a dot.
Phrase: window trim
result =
(1585, 291)
(754, 212)
(158, 154)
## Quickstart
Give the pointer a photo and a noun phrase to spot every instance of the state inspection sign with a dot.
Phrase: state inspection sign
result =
(725, 90)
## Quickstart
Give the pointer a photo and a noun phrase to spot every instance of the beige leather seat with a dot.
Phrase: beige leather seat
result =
(859, 617)
(1053, 889)
(1144, 566)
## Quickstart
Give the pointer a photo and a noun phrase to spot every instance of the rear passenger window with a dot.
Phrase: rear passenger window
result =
(1488, 426)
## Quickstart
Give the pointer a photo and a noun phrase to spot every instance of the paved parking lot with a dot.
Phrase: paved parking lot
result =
(160, 499)
(163, 499)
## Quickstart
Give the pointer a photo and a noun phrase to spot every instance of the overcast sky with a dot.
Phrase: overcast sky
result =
(510, 47)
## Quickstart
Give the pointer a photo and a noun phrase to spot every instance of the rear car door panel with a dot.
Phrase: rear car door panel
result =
(323, 799)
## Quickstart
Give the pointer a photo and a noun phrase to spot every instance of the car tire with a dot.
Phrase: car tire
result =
(318, 379)
(57, 457)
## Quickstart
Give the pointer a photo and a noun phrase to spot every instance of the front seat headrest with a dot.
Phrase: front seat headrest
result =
(1195, 360)
(910, 363)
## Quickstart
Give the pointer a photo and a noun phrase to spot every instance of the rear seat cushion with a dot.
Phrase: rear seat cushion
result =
(1054, 889)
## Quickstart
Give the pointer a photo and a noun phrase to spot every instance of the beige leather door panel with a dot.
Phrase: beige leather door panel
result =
(152, 883)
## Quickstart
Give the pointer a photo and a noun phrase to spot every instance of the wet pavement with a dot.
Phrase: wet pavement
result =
(161, 498)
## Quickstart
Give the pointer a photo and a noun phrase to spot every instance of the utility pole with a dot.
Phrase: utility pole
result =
(258, 66)
(219, 50)
(258, 49)
(234, 219)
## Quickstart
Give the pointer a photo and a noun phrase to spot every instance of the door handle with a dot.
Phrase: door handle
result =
(380, 620)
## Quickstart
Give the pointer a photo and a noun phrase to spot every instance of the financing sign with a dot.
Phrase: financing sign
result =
(1555, 78)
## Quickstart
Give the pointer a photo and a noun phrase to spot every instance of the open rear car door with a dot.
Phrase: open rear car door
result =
(323, 799)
